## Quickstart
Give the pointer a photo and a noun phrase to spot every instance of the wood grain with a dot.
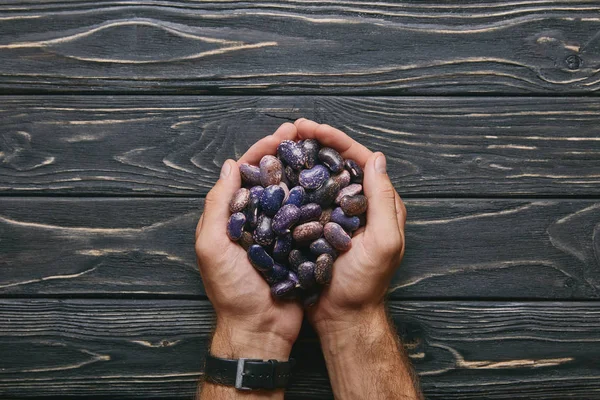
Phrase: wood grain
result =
(300, 47)
(149, 349)
(154, 145)
(542, 249)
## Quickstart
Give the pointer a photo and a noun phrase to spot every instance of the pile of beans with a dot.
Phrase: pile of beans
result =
(293, 236)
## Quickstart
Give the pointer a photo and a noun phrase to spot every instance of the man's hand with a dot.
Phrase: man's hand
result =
(250, 324)
(360, 346)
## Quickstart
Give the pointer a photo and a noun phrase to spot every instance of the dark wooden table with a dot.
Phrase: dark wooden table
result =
(116, 116)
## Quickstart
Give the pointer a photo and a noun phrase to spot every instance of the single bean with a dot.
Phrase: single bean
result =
(256, 191)
(311, 149)
(282, 247)
(324, 269)
(296, 196)
(306, 274)
(286, 217)
(259, 258)
(322, 246)
(271, 200)
(349, 224)
(263, 234)
(292, 154)
(239, 200)
(356, 172)
(271, 170)
(283, 289)
(307, 232)
(313, 178)
(354, 205)
(332, 159)
(246, 240)
(326, 193)
(337, 236)
(310, 212)
(296, 258)
(343, 178)
(349, 190)
(250, 174)
(235, 226)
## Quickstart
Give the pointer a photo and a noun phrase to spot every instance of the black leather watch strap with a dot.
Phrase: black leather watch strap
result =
(248, 374)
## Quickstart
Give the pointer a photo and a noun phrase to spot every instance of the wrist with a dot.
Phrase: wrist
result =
(366, 320)
(235, 341)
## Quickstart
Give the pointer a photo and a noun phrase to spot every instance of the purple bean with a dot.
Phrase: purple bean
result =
(235, 226)
(355, 170)
(306, 274)
(283, 289)
(291, 175)
(250, 174)
(256, 191)
(276, 274)
(313, 178)
(322, 246)
(292, 154)
(337, 236)
(310, 212)
(296, 196)
(325, 195)
(349, 224)
(252, 212)
(271, 200)
(263, 234)
(287, 216)
(311, 149)
(343, 178)
(259, 258)
(332, 159)
(282, 247)
(296, 258)
(239, 200)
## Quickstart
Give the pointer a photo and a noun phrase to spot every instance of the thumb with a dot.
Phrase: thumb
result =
(216, 207)
(382, 222)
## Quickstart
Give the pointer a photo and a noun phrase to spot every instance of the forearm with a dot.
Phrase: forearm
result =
(365, 360)
(228, 342)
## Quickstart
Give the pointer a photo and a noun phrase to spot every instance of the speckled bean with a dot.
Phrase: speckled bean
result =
(250, 174)
(296, 258)
(246, 240)
(291, 175)
(306, 274)
(256, 191)
(332, 159)
(350, 224)
(343, 178)
(235, 226)
(292, 154)
(296, 196)
(276, 274)
(271, 199)
(356, 172)
(263, 234)
(239, 200)
(308, 231)
(354, 205)
(337, 236)
(313, 178)
(322, 246)
(326, 193)
(311, 149)
(324, 269)
(310, 212)
(349, 190)
(283, 289)
(271, 170)
(325, 216)
(294, 278)
(287, 216)
(259, 258)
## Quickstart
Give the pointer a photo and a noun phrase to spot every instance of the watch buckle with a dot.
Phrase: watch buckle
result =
(239, 375)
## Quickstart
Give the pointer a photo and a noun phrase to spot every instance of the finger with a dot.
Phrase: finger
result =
(268, 144)
(382, 216)
(332, 137)
(216, 206)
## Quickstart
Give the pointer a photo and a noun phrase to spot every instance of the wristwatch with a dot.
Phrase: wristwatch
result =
(248, 374)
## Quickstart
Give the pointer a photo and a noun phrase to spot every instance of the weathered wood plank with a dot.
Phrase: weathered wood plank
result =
(546, 249)
(150, 349)
(301, 46)
(175, 145)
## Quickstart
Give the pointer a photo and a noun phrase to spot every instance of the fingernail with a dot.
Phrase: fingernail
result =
(225, 169)
(380, 164)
